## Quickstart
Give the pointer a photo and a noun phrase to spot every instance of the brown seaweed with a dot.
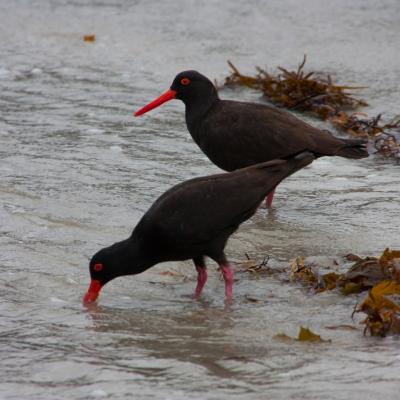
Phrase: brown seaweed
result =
(257, 268)
(89, 38)
(316, 94)
(304, 335)
(379, 275)
(383, 314)
(364, 274)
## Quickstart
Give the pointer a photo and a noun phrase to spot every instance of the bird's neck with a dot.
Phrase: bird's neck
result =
(132, 257)
(198, 106)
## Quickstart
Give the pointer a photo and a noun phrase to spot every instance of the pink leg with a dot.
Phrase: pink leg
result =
(201, 280)
(269, 198)
(228, 278)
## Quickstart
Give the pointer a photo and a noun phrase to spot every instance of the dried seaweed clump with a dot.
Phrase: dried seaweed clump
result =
(379, 275)
(299, 90)
(310, 277)
(299, 272)
(367, 272)
(257, 268)
(361, 276)
(383, 313)
(316, 94)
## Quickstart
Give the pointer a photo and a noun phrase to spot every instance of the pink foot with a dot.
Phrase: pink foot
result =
(228, 278)
(201, 280)
(269, 198)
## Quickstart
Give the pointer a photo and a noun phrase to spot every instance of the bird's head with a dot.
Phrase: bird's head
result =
(102, 269)
(122, 258)
(187, 86)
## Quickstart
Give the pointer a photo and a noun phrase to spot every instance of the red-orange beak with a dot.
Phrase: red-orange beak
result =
(168, 95)
(93, 292)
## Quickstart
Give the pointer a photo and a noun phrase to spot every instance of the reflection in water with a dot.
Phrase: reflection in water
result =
(196, 336)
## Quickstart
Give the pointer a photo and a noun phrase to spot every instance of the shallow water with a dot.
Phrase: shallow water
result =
(78, 171)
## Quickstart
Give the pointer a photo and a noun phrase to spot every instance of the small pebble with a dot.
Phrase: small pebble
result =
(89, 38)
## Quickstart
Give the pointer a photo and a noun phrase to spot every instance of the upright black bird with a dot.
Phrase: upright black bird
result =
(192, 220)
(236, 134)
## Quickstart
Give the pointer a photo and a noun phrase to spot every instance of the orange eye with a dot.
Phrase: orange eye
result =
(98, 267)
(185, 81)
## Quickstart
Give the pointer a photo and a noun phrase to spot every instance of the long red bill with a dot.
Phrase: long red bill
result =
(168, 95)
(93, 292)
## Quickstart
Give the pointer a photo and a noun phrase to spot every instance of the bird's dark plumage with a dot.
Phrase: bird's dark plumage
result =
(192, 220)
(237, 134)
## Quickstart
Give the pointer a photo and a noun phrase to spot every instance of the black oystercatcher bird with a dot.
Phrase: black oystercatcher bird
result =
(190, 221)
(235, 134)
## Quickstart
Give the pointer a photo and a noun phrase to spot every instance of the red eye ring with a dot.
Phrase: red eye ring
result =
(98, 267)
(185, 81)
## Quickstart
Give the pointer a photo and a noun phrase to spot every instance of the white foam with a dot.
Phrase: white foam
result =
(57, 300)
(95, 131)
(4, 73)
(98, 393)
(116, 148)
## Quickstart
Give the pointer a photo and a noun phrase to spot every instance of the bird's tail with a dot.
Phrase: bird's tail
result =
(277, 170)
(289, 164)
(354, 148)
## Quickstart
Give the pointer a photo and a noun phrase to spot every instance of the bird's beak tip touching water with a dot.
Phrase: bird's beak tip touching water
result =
(92, 293)
(168, 95)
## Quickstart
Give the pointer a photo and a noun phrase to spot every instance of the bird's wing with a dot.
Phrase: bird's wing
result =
(250, 133)
(200, 209)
